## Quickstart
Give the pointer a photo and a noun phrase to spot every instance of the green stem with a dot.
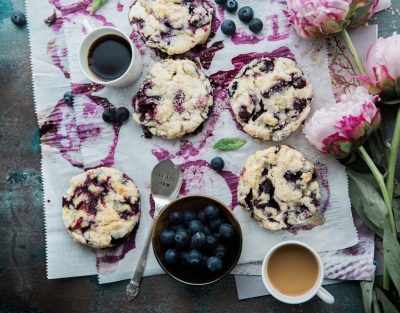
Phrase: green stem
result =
(353, 51)
(379, 178)
(394, 149)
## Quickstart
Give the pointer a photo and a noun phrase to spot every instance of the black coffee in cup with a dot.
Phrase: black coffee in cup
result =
(109, 57)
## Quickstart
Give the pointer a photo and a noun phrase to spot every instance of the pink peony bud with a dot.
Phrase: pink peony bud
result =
(320, 18)
(383, 68)
(341, 127)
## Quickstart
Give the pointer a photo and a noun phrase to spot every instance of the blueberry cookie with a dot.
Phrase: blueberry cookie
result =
(270, 98)
(174, 99)
(174, 27)
(279, 188)
(101, 207)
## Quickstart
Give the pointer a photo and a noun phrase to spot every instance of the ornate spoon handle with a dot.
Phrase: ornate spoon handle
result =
(133, 287)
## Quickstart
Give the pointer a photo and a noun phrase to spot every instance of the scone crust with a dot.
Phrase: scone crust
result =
(174, 99)
(278, 187)
(172, 26)
(101, 207)
(270, 98)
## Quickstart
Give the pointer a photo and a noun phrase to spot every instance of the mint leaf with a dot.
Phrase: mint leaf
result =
(97, 4)
(229, 144)
(391, 254)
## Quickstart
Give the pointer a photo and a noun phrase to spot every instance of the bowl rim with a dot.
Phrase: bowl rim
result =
(236, 260)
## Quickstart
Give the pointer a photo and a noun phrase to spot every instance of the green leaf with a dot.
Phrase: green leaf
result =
(391, 102)
(391, 254)
(375, 148)
(388, 307)
(359, 13)
(358, 207)
(368, 200)
(229, 144)
(97, 4)
(366, 291)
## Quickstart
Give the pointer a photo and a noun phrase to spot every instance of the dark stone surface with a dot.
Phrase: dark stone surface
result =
(23, 283)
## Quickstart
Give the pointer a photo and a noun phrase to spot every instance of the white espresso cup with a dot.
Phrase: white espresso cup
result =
(94, 33)
(316, 289)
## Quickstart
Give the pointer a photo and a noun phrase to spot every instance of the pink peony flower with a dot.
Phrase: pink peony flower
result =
(320, 18)
(340, 128)
(383, 68)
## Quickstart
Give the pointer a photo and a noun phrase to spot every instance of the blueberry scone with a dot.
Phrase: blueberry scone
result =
(279, 188)
(101, 207)
(174, 99)
(172, 26)
(270, 98)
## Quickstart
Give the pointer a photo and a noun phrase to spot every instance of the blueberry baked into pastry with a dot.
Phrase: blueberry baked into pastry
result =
(101, 207)
(173, 27)
(174, 99)
(278, 187)
(270, 98)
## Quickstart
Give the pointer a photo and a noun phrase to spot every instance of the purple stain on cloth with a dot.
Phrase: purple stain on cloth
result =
(58, 56)
(107, 260)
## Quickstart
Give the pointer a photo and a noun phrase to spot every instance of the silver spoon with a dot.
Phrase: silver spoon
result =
(166, 181)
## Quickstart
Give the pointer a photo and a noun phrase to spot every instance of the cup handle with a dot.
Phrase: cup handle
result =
(88, 25)
(325, 296)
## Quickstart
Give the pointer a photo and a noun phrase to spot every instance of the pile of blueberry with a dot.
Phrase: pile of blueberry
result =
(118, 115)
(246, 15)
(197, 238)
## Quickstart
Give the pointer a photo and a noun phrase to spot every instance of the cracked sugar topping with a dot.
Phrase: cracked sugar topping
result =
(101, 207)
(174, 99)
(279, 188)
(174, 27)
(270, 98)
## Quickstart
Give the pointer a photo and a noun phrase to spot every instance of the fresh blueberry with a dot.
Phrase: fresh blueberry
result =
(214, 225)
(188, 216)
(176, 217)
(211, 242)
(228, 27)
(171, 256)
(195, 226)
(212, 211)
(167, 237)
(182, 258)
(198, 240)
(18, 18)
(226, 230)
(207, 230)
(68, 98)
(220, 2)
(231, 6)
(217, 235)
(255, 25)
(201, 216)
(109, 116)
(217, 164)
(214, 264)
(175, 228)
(181, 239)
(121, 115)
(194, 257)
(245, 14)
(220, 251)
